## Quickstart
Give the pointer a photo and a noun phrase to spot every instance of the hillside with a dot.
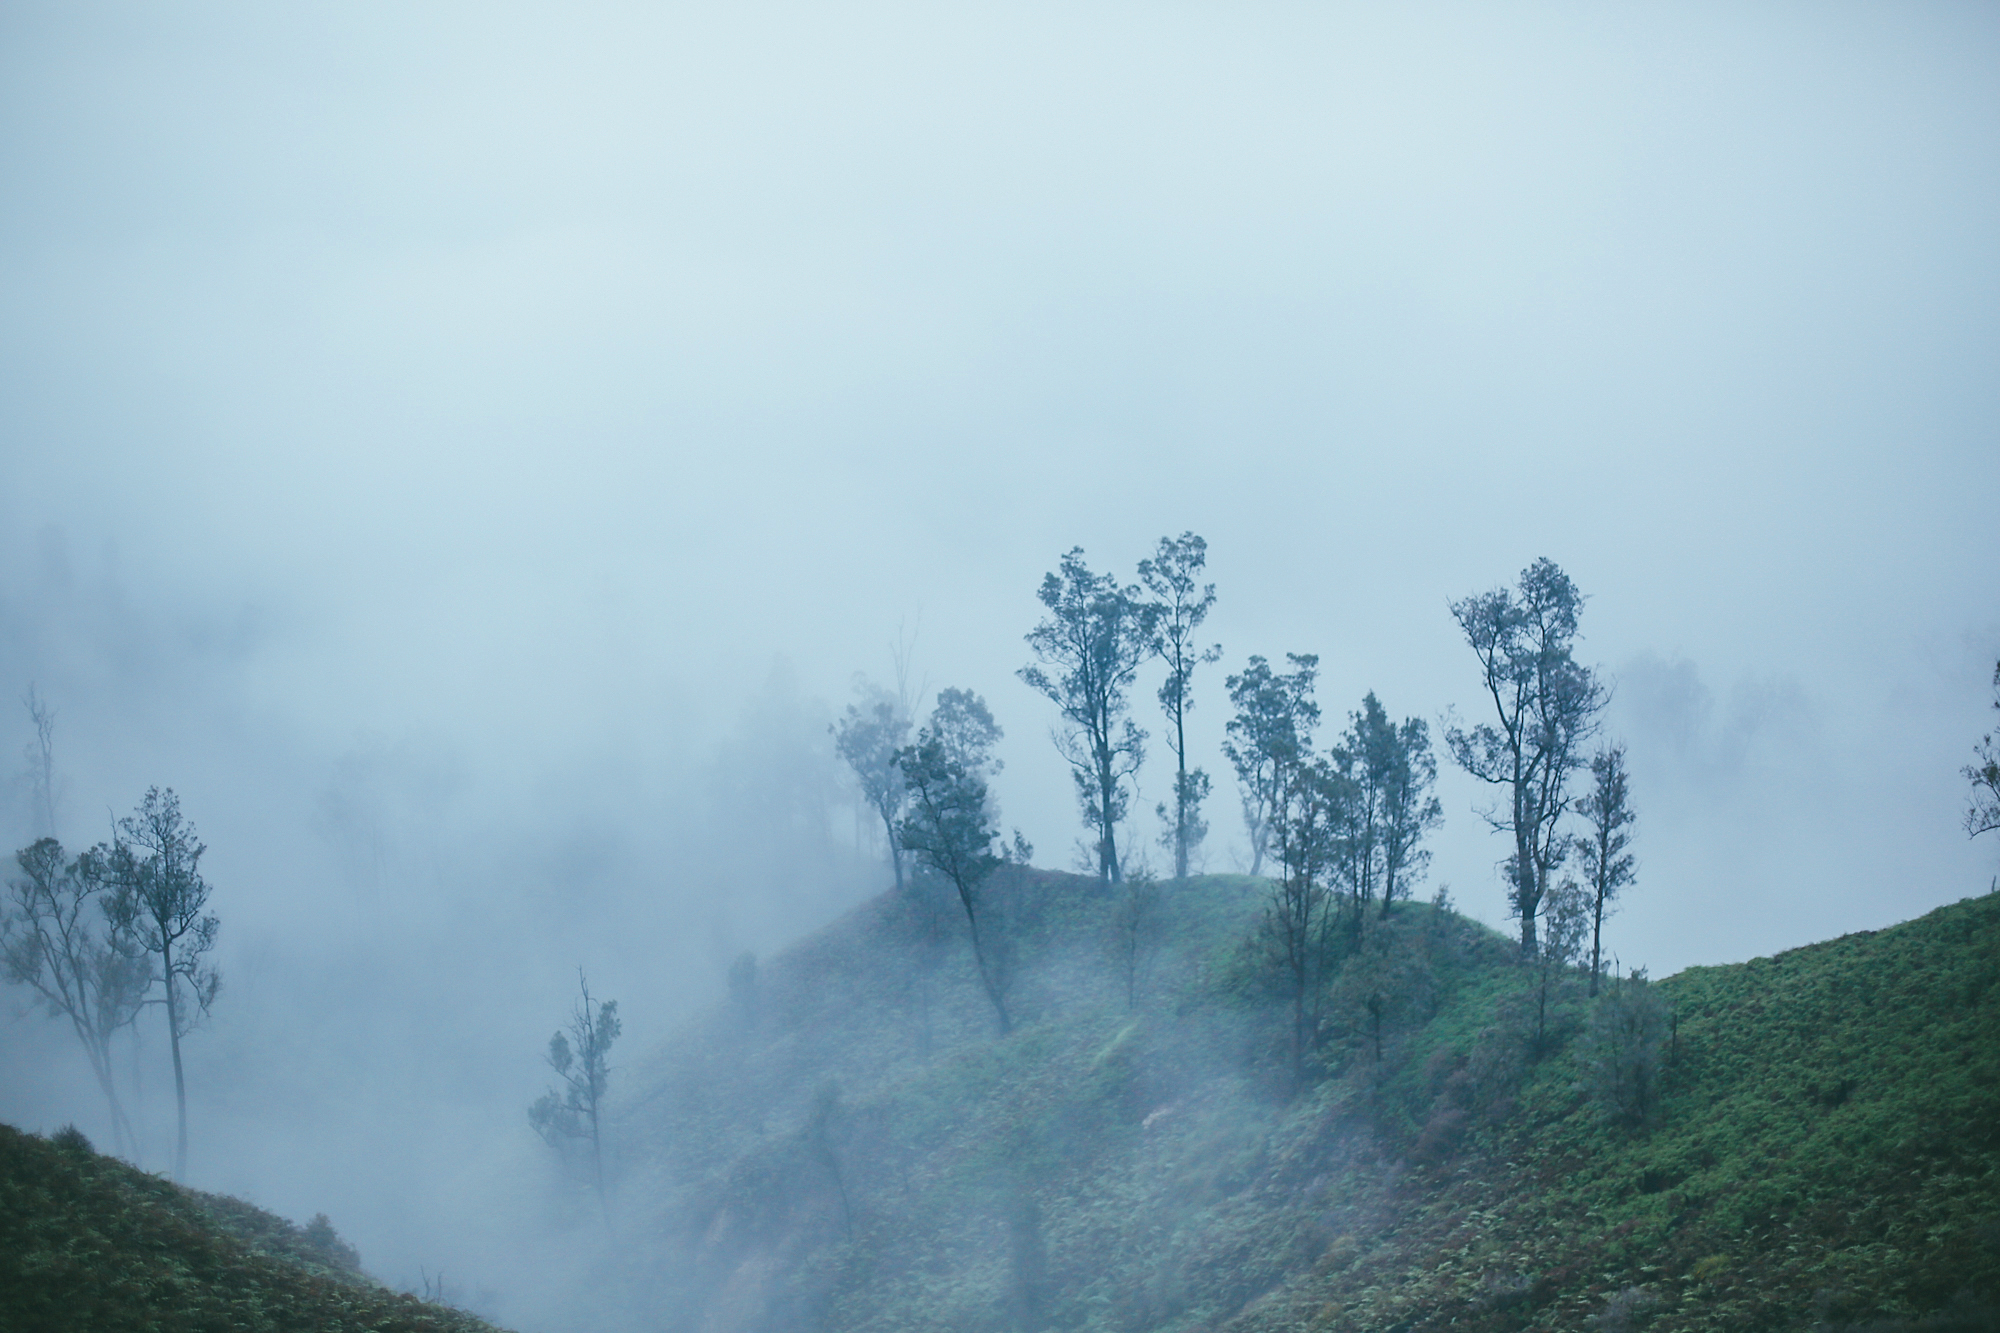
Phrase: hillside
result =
(88, 1243)
(848, 1145)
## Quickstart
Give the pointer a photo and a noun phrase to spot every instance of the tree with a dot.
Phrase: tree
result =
(58, 939)
(1093, 643)
(868, 736)
(1983, 814)
(156, 862)
(1271, 731)
(1409, 811)
(1607, 866)
(1366, 756)
(1621, 1047)
(1565, 915)
(950, 825)
(1546, 707)
(1180, 603)
(1299, 931)
(1296, 804)
(42, 763)
(1135, 929)
(580, 1056)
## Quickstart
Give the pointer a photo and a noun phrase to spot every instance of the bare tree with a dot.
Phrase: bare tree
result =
(580, 1055)
(1545, 706)
(1607, 866)
(156, 863)
(1093, 643)
(41, 756)
(1180, 603)
(950, 826)
(58, 939)
(1271, 731)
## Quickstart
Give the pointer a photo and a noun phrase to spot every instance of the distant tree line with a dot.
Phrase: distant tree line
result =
(1341, 831)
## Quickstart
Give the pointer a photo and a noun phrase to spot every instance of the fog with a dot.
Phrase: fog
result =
(468, 454)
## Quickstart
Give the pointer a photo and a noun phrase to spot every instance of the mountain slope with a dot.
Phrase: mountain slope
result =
(90, 1243)
(850, 1146)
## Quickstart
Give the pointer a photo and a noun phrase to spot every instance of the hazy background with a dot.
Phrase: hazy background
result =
(467, 453)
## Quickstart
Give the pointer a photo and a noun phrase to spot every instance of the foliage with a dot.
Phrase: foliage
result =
(950, 827)
(1620, 1055)
(1982, 815)
(1819, 1147)
(1270, 733)
(1390, 772)
(1093, 642)
(868, 736)
(1607, 866)
(91, 1245)
(1181, 602)
(1545, 706)
(161, 899)
(580, 1056)
(62, 938)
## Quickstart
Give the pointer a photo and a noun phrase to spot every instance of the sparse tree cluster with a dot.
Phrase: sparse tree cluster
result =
(99, 935)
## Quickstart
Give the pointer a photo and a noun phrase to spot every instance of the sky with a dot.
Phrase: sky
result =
(468, 453)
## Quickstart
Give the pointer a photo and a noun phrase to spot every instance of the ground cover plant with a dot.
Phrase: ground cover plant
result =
(1816, 1147)
(88, 1242)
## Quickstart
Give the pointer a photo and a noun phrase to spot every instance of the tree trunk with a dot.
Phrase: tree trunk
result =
(1180, 791)
(895, 852)
(1596, 935)
(180, 1078)
(1107, 787)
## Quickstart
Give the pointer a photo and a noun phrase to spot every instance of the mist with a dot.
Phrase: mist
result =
(469, 455)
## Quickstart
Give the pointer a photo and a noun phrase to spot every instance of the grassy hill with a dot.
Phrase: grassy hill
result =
(849, 1145)
(88, 1243)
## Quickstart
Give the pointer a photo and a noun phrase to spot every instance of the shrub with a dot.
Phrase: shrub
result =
(1620, 1053)
(71, 1139)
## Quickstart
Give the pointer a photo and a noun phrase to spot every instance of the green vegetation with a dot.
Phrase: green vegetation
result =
(89, 1243)
(1820, 1146)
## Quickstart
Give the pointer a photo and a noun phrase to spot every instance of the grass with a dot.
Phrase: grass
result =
(1824, 1150)
(88, 1243)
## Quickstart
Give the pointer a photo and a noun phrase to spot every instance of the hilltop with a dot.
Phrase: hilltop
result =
(91, 1244)
(848, 1145)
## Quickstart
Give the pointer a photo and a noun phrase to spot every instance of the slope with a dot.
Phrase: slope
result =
(90, 1243)
(847, 1144)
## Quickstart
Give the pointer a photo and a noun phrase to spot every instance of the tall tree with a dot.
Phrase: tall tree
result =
(1366, 756)
(1607, 866)
(1299, 931)
(58, 940)
(1409, 811)
(1095, 638)
(1545, 707)
(580, 1055)
(950, 825)
(1180, 603)
(1270, 732)
(161, 897)
(868, 735)
(1983, 814)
